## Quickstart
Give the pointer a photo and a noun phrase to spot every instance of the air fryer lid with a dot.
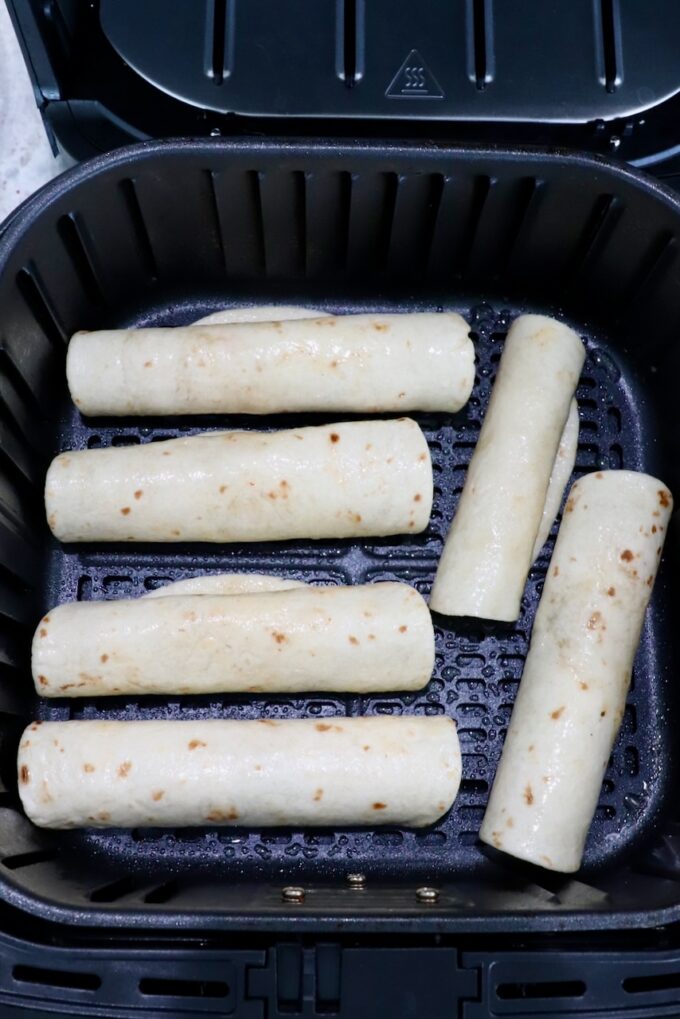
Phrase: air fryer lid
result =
(528, 61)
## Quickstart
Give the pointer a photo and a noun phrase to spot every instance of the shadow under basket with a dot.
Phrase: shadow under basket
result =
(166, 232)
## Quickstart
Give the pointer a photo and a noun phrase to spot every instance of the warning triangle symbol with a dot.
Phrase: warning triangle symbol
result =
(414, 80)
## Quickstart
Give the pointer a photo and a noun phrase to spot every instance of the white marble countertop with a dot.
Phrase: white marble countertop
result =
(26, 160)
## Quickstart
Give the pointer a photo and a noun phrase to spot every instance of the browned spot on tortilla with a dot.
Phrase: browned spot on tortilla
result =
(43, 680)
(400, 396)
(371, 636)
(569, 508)
(547, 860)
(627, 555)
(103, 658)
(611, 591)
(603, 712)
(104, 816)
(52, 521)
(417, 497)
(658, 551)
(423, 456)
(369, 445)
(379, 806)
(45, 619)
(139, 493)
(318, 794)
(411, 523)
(255, 689)
(557, 712)
(599, 475)
(175, 532)
(266, 721)
(403, 628)
(43, 632)
(595, 621)
(528, 795)
(258, 767)
(167, 452)
(220, 815)
(125, 510)
(530, 747)
(356, 517)
(124, 769)
(24, 774)
(380, 327)
(223, 489)
(510, 823)
(584, 686)
(89, 768)
(334, 437)
(158, 794)
(195, 743)
(664, 497)
(323, 727)
(352, 639)
(367, 746)
(147, 364)
(272, 495)
(280, 638)
(35, 725)
(496, 839)
(556, 571)
(334, 364)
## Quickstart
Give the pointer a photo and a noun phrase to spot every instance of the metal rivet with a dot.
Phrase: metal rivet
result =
(356, 880)
(427, 894)
(293, 894)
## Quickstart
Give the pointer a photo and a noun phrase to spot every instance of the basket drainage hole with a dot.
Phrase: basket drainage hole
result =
(652, 982)
(183, 988)
(551, 989)
(56, 978)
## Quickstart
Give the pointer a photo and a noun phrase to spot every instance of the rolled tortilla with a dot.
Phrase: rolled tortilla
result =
(490, 546)
(358, 639)
(326, 771)
(352, 479)
(225, 583)
(359, 363)
(258, 313)
(559, 478)
(572, 695)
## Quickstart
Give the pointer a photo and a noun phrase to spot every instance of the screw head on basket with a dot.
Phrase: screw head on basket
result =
(426, 894)
(292, 893)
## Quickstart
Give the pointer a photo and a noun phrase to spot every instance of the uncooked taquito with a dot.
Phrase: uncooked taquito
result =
(572, 695)
(358, 363)
(325, 771)
(346, 480)
(490, 546)
(225, 583)
(258, 313)
(372, 637)
(559, 478)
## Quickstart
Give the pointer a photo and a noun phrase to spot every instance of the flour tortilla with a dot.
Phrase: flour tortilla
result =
(572, 695)
(353, 479)
(491, 543)
(559, 478)
(258, 313)
(325, 771)
(358, 363)
(358, 639)
(225, 583)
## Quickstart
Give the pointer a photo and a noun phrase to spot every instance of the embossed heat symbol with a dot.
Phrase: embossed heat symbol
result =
(414, 80)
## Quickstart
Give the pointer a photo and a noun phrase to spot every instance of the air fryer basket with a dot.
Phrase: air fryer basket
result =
(165, 232)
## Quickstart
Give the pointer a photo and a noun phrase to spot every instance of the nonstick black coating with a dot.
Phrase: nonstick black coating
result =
(164, 234)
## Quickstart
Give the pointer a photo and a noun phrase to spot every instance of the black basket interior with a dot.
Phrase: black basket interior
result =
(165, 233)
